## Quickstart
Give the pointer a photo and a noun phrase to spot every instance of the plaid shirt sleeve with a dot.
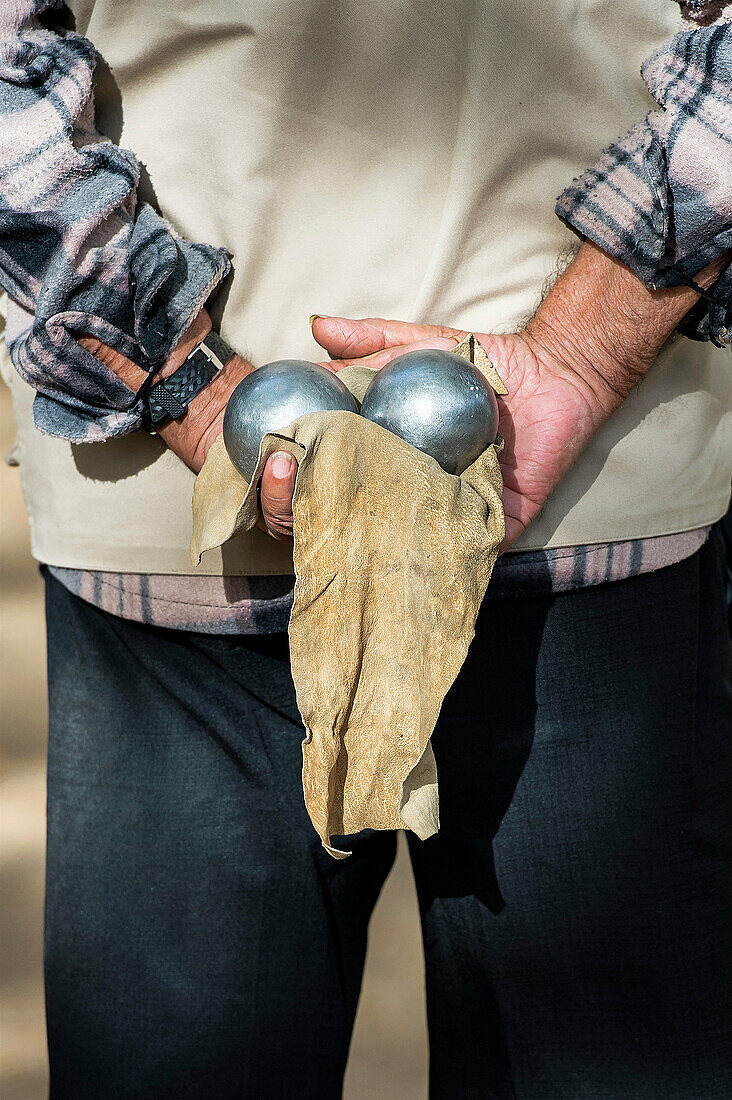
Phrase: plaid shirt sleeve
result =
(660, 199)
(77, 250)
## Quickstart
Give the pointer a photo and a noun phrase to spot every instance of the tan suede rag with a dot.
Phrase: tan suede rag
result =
(392, 558)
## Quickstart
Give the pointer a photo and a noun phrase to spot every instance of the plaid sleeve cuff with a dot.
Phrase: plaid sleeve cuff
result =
(79, 398)
(621, 202)
(660, 199)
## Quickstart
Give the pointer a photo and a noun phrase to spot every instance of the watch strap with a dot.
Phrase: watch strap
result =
(168, 399)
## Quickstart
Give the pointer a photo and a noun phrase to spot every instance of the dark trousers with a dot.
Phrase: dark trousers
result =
(202, 946)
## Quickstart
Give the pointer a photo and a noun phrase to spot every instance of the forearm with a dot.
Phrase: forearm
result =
(659, 199)
(191, 435)
(601, 323)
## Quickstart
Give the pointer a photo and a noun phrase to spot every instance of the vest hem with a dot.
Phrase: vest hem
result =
(107, 561)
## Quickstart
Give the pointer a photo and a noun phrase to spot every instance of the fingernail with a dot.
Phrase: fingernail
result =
(282, 464)
(315, 317)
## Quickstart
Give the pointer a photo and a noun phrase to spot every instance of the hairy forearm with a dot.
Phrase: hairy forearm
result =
(601, 323)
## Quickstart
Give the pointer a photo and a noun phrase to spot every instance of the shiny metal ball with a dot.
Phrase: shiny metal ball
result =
(271, 397)
(438, 402)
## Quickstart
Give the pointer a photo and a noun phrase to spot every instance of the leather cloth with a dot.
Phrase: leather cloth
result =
(392, 558)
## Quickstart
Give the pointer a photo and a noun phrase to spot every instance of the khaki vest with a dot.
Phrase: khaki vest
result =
(382, 158)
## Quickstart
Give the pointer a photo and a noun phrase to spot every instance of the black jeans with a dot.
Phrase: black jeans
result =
(202, 946)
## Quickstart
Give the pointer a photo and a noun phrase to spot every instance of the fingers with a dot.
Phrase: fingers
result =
(379, 359)
(275, 494)
(344, 338)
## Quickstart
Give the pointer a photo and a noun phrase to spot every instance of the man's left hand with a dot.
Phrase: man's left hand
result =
(546, 419)
(592, 340)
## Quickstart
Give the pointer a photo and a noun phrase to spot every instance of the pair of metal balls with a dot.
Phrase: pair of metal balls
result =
(435, 400)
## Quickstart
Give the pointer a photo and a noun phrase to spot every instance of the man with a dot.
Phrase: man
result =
(402, 160)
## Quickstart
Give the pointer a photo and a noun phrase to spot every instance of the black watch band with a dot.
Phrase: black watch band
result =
(168, 400)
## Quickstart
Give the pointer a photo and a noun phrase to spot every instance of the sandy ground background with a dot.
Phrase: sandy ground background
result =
(389, 1051)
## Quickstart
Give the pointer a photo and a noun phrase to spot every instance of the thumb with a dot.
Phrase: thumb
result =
(275, 493)
(344, 338)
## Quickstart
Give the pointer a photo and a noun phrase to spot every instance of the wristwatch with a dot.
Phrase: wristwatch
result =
(168, 400)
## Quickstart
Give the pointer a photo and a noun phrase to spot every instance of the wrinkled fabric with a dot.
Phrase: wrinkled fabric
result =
(392, 559)
(77, 248)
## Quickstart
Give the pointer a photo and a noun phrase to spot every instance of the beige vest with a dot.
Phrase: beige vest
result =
(382, 158)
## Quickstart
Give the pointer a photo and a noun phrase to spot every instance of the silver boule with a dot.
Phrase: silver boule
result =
(438, 402)
(271, 397)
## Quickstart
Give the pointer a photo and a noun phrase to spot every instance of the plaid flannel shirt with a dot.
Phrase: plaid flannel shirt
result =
(77, 249)
(660, 199)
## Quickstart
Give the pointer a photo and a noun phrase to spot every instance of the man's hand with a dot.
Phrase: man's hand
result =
(193, 433)
(546, 419)
(594, 337)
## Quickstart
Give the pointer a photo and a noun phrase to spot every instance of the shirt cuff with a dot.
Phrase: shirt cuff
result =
(621, 203)
(169, 279)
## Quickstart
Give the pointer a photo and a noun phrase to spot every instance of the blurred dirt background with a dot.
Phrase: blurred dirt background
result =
(389, 1051)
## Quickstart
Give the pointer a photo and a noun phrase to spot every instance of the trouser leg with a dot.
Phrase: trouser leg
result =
(575, 902)
(199, 941)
